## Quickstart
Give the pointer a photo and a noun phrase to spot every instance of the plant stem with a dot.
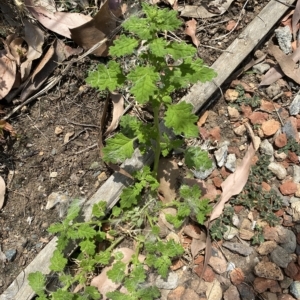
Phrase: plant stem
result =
(157, 140)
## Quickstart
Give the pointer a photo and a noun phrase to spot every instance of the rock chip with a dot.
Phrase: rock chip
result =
(242, 249)
(190, 294)
(295, 106)
(286, 239)
(296, 174)
(221, 155)
(10, 254)
(214, 290)
(278, 170)
(233, 113)
(280, 140)
(231, 293)
(266, 247)
(290, 128)
(268, 270)
(262, 284)
(176, 293)
(280, 257)
(266, 147)
(280, 156)
(261, 68)
(288, 188)
(231, 95)
(258, 117)
(169, 284)
(295, 289)
(270, 127)
(237, 276)
(286, 282)
(217, 261)
(230, 233)
(273, 90)
(203, 174)
(296, 211)
(291, 270)
(231, 162)
(284, 37)
(240, 130)
(246, 292)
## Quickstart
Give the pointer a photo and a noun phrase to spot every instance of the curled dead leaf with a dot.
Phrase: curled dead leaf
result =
(190, 29)
(2, 191)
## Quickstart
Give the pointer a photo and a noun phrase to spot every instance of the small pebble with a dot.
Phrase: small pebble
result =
(284, 38)
(278, 170)
(10, 254)
(169, 284)
(295, 289)
(295, 106)
(261, 68)
(266, 147)
(280, 257)
(221, 155)
(241, 249)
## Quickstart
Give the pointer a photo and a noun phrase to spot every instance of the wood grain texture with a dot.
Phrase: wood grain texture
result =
(199, 94)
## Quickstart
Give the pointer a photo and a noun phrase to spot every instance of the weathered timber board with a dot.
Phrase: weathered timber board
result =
(198, 96)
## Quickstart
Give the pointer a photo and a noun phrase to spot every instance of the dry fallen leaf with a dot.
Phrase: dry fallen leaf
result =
(8, 70)
(295, 19)
(59, 22)
(34, 38)
(92, 32)
(202, 119)
(198, 244)
(67, 136)
(104, 284)
(190, 29)
(118, 110)
(167, 173)
(2, 191)
(234, 183)
(286, 63)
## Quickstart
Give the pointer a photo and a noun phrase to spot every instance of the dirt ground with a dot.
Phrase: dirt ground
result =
(37, 163)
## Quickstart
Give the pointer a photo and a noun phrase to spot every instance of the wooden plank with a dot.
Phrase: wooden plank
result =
(199, 94)
(238, 51)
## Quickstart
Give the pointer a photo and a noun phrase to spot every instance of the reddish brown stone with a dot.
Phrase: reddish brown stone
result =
(291, 270)
(284, 114)
(262, 284)
(224, 173)
(270, 233)
(298, 123)
(214, 173)
(258, 117)
(217, 181)
(208, 275)
(234, 150)
(280, 140)
(270, 127)
(176, 293)
(215, 134)
(298, 238)
(246, 110)
(199, 260)
(292, 156)
(288, 188)
(279, 213)
(265, 186)
(268, 106)
(237, 276)
(238, 208)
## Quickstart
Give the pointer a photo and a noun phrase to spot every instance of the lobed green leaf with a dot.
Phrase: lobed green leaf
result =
(123, 46)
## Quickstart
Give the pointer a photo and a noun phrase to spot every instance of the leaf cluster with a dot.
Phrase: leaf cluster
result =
(191, 205)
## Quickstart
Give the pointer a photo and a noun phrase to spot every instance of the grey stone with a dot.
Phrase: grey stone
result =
(280, 257)
(286, 239)
(261, 68)
(246, 291)
(273, 90)
(221, 155)
(286, 282)
(295, 106)
(284, 37)
(169, 284)
(266, 147)
(230, 233)
(278, 170)
(231, 162)
(10, 254)
(94, 165)
(296, 174)
(295, 289)
(231, 293)
(241, 249)
(289, 130)
(203, 174)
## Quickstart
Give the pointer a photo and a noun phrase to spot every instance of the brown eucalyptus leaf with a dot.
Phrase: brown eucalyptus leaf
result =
(94, 31)
(118, 110)
(234, 183)
(59, 22)
(190, 29)
(8, 70)
(295, 19)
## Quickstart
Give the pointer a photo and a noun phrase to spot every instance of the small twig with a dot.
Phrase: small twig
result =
(76, 136)
(279, 117)
(235, 26)
(83, 125)
(86, 149)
